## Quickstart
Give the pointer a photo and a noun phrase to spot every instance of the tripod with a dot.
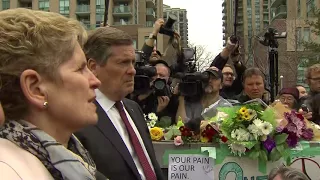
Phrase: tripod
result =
(273, 71)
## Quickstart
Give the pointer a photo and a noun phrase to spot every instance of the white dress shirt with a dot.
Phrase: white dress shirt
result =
(109, 107)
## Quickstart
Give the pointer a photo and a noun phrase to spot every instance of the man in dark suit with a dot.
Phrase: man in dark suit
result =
(120, 142)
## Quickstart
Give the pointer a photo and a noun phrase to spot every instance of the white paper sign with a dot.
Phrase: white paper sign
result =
(190, 167)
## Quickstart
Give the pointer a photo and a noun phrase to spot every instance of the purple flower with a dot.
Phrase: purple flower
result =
(307, 134)
(269, 144)
(279, 129)
(292, 140)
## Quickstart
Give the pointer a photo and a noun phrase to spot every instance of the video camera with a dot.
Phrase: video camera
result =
(192, 82)
(167, 28)
(144, 73)
(143, 77)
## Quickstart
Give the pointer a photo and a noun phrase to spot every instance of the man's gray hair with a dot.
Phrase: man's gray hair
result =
(287, 173)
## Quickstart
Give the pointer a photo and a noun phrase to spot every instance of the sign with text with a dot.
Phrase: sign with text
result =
(190, 167)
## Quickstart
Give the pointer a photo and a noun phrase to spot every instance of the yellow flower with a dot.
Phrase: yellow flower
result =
(246, 116)
(243, 110)
(204, 139)
(156, 133)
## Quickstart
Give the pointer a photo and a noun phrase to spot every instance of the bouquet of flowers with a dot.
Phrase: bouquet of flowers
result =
(162, 129)
(252, 129)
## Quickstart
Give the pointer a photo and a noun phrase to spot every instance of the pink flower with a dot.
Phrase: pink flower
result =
(178, 141)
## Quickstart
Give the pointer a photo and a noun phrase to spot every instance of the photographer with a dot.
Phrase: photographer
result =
(190, 110)
(148, 47)
(151, 101)
(231, 84)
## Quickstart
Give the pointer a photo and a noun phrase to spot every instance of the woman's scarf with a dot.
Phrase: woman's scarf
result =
(61, 162)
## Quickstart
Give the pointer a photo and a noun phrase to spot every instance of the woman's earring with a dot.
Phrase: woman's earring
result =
(45, 104)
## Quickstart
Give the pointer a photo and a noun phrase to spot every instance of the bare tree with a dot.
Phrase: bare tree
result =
(203, 57)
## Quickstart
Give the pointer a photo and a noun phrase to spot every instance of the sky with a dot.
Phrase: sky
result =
(204, 22)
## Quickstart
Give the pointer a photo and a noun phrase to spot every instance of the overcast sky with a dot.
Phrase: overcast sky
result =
(205, 21)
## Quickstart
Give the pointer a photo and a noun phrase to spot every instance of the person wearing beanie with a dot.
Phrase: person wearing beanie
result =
(289, 97)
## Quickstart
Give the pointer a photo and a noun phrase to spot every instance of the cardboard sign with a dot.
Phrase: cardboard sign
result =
(309, 165)
(190, 167)
(236, 168)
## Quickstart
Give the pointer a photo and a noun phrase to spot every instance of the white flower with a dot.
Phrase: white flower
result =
(152, 116)
(240, 134)
(152, 123)
(237, 149)
(235, 134)
(266, 128)
(243, 135)
(263, 138)
(256, 132)
(252, 114)
(257, 122)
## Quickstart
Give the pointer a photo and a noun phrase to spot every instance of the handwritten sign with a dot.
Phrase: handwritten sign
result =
(190, 167)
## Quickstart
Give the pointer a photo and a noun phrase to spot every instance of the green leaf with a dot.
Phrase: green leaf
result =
(164, 122)
(281, 138)
(180, 123)
(176, 132)
(280, 148)
(254, 154)
(263, 155)
(168, 135)
(275, 155)
(269, 116)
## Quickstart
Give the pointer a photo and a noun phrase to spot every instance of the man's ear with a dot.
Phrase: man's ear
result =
(33, 88)
(93, 66)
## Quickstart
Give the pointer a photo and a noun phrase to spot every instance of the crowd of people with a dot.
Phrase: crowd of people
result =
(64, 112)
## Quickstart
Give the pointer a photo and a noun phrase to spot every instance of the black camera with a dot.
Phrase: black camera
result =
(167, 28)
(192, 84)
(144, 73)
(161, 88)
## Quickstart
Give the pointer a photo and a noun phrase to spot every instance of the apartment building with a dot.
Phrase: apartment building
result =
(291, 16)
(252, 18)
(181, 25)
(133, 16)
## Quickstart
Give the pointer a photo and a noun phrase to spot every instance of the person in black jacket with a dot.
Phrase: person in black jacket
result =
(232, 84)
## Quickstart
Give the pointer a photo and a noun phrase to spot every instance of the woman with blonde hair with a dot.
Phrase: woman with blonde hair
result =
(47, 94)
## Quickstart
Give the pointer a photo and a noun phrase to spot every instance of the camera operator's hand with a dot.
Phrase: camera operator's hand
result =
(157, 26)
(163, 102)
(307, 115)
(229, 49)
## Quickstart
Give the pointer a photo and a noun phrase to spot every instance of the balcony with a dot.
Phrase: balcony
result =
(151, 15)
(224, 23)
(224, 3)
(25, 1)
(224, 17)
(279, 12)
(121, 1)
(224, 10)
(277, 3)
(122, 11)
(121, 23)
(83, 9)
(151, 3)
(149, 24)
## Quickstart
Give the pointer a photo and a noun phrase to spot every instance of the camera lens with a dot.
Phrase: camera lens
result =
(159, 84)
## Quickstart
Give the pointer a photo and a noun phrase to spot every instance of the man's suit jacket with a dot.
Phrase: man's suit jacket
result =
(108, 149)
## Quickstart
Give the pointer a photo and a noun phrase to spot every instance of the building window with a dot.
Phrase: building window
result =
(299, 8)
(299, 39)
(64, 7)
(310, 8)
(306, 34)
(44, 5)
(5, 4)
(135, 44)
